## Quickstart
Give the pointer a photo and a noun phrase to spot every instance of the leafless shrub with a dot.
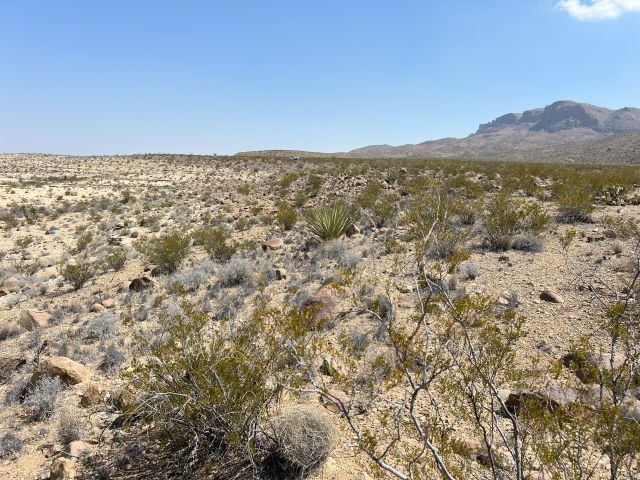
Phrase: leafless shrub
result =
(42, 400)
(71, 426)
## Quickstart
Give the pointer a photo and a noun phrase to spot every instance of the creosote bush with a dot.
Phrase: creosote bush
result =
(167, 251)
(286, 216)
(216, 242)
(330, 221)
(379, 206)
(78, 272)
(509, 217)
(208, 393)
(574, 203)
(115, 259)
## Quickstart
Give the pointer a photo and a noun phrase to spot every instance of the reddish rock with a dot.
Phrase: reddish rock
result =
(322, 306)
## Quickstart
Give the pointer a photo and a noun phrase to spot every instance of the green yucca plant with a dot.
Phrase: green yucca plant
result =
(330, 221)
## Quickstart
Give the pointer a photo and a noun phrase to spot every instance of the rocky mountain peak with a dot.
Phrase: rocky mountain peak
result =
(566, 115)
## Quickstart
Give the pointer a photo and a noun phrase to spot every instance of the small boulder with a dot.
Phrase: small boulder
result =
(352, 230)
(11, 284)
(31, 319)
(273, 244)
(77, 449)
(551, 297)
(552, 398)
(141, 283)
(62, 469)
(322, 306)
(335, 400)
(109, 303)
(69, 371)
(97, 307)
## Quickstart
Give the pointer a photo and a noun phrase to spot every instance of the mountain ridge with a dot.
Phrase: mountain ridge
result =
(561, 131)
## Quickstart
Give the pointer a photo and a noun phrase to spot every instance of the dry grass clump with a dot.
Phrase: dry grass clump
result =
(71, 426)
(41, 400)
(303, 438)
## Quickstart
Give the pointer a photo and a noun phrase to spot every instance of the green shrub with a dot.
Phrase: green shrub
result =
(330, 221)
(206, 394)
(574, 204)
(508, 217)
(115, 259)
(431, 217)
(83, 241)
(314, 183)
(379, 206)
(287, 216)
(215, 241)
(77, 273)
(167, 251)
(287, 180)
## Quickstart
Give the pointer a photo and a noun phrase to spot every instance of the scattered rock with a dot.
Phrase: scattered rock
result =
(502, 301)
(329, 366)
(551, 297)
(338, 399)
(69, 371)
(281, 274)
(273, 244)
(91, 396)
(8, 365)
(322, 305)
(141, 283)
(77, 449)
(62, 469)
(97, 307)
(352, 230)
(30, 319)
(109, 303)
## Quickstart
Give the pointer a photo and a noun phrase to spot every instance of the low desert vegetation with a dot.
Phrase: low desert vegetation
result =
(166, 251)
(321, 318)
(330, 221)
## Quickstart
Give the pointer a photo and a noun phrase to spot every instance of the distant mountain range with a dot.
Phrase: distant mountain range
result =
(564, 131)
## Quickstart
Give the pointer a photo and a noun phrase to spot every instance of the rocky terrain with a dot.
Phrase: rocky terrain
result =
(564, 131)
(87, 300)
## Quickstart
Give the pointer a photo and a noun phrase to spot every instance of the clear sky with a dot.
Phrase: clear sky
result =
(127, 76)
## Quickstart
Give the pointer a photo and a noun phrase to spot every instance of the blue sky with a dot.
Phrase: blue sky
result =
(100, 77)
